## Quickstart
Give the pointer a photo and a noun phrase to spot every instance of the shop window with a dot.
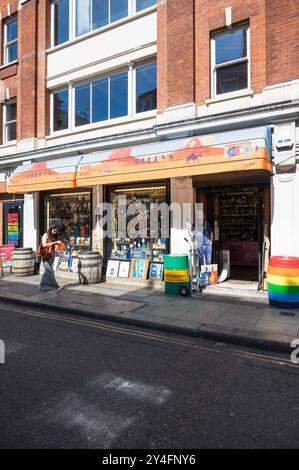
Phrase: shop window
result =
(93, 14)
(60, 22)
(102, 99)
(60, 110)
(72, 214)
(142, 4)
(145, 247)
(146, 88)
(10, 122)
(230, 61)
(11, 41)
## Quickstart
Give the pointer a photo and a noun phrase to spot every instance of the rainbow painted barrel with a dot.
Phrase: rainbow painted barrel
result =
(283, 281)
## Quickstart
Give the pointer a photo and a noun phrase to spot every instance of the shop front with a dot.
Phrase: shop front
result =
(227, 170)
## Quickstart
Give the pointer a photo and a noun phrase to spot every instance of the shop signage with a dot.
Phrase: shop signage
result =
(284, 144)
(203, 154)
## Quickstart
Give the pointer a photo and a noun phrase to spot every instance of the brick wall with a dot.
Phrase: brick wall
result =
(282, 33)
(274, 45)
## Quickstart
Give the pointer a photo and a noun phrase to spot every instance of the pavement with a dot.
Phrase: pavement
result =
(231, 315)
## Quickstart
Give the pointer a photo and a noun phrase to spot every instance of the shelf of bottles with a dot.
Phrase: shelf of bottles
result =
(72, 214)
(239, 216)
(140, 247)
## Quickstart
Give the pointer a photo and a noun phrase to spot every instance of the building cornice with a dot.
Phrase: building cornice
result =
(249, 117)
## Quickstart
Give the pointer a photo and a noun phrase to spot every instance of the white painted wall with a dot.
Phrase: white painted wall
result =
(31, 220)
(285, 212)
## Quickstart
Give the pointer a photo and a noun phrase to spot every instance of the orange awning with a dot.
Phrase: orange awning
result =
(48, 175)
(242, 150)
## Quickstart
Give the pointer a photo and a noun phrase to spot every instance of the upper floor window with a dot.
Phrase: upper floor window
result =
(123, 94)
(61, 110)
(93, 14)
(73, 18)
(60, 21)
(230, 61)
(146, 88)
(102, 99)
(10, 122)
(11, 40)
(142, 4)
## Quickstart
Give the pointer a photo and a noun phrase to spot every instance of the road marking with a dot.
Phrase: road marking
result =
(152, 336)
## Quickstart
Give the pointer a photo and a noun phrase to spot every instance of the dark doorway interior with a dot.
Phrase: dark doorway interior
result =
(236, 215)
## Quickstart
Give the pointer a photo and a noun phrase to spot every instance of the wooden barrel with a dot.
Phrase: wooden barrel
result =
(90, 267)
(283, 281)
(23, 262)
(176, 273)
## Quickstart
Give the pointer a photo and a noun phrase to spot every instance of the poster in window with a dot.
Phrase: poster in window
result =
(139, 269)
(124, 269)
(156, 271)
(112, 268)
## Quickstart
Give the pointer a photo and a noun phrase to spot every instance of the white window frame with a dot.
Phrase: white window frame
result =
(71, 22)
(6, 123)
(242, 60)
(54, 92)
(139, 65)
(132, 10)
(7, 44)
(131, 71)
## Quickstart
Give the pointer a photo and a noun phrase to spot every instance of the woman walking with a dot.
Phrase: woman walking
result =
(46, 252)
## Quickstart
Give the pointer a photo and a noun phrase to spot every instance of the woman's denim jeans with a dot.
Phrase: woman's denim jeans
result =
(48, 280)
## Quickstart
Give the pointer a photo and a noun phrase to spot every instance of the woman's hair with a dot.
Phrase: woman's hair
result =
(52, 237)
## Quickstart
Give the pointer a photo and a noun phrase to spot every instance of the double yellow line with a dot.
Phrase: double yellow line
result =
(153, 336)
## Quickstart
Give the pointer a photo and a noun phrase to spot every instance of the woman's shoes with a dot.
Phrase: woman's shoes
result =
(60, 288)
(42, 289)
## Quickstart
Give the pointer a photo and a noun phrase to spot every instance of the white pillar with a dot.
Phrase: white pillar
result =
(285, 214)
(31, 218)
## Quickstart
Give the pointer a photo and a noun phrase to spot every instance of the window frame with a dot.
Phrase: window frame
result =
(54, 92)
(7, 44)
(138, 66)
(132, 10)
(215, 67)
(131, 104)
(6, 123)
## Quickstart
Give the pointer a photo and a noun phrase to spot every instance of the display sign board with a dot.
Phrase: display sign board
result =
(139, 269)
(6, 252)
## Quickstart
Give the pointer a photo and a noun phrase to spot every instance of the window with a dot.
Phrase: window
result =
(11, 40)
(61, 110)
(93, 14)
(73, 18)
(106, 98)
(146, 88)
(60, 21)
(101, 100)
(142, 4)
(10, 121)
(230, 61)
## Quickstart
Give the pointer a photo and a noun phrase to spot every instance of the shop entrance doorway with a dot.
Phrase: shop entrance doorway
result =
(236, 214)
